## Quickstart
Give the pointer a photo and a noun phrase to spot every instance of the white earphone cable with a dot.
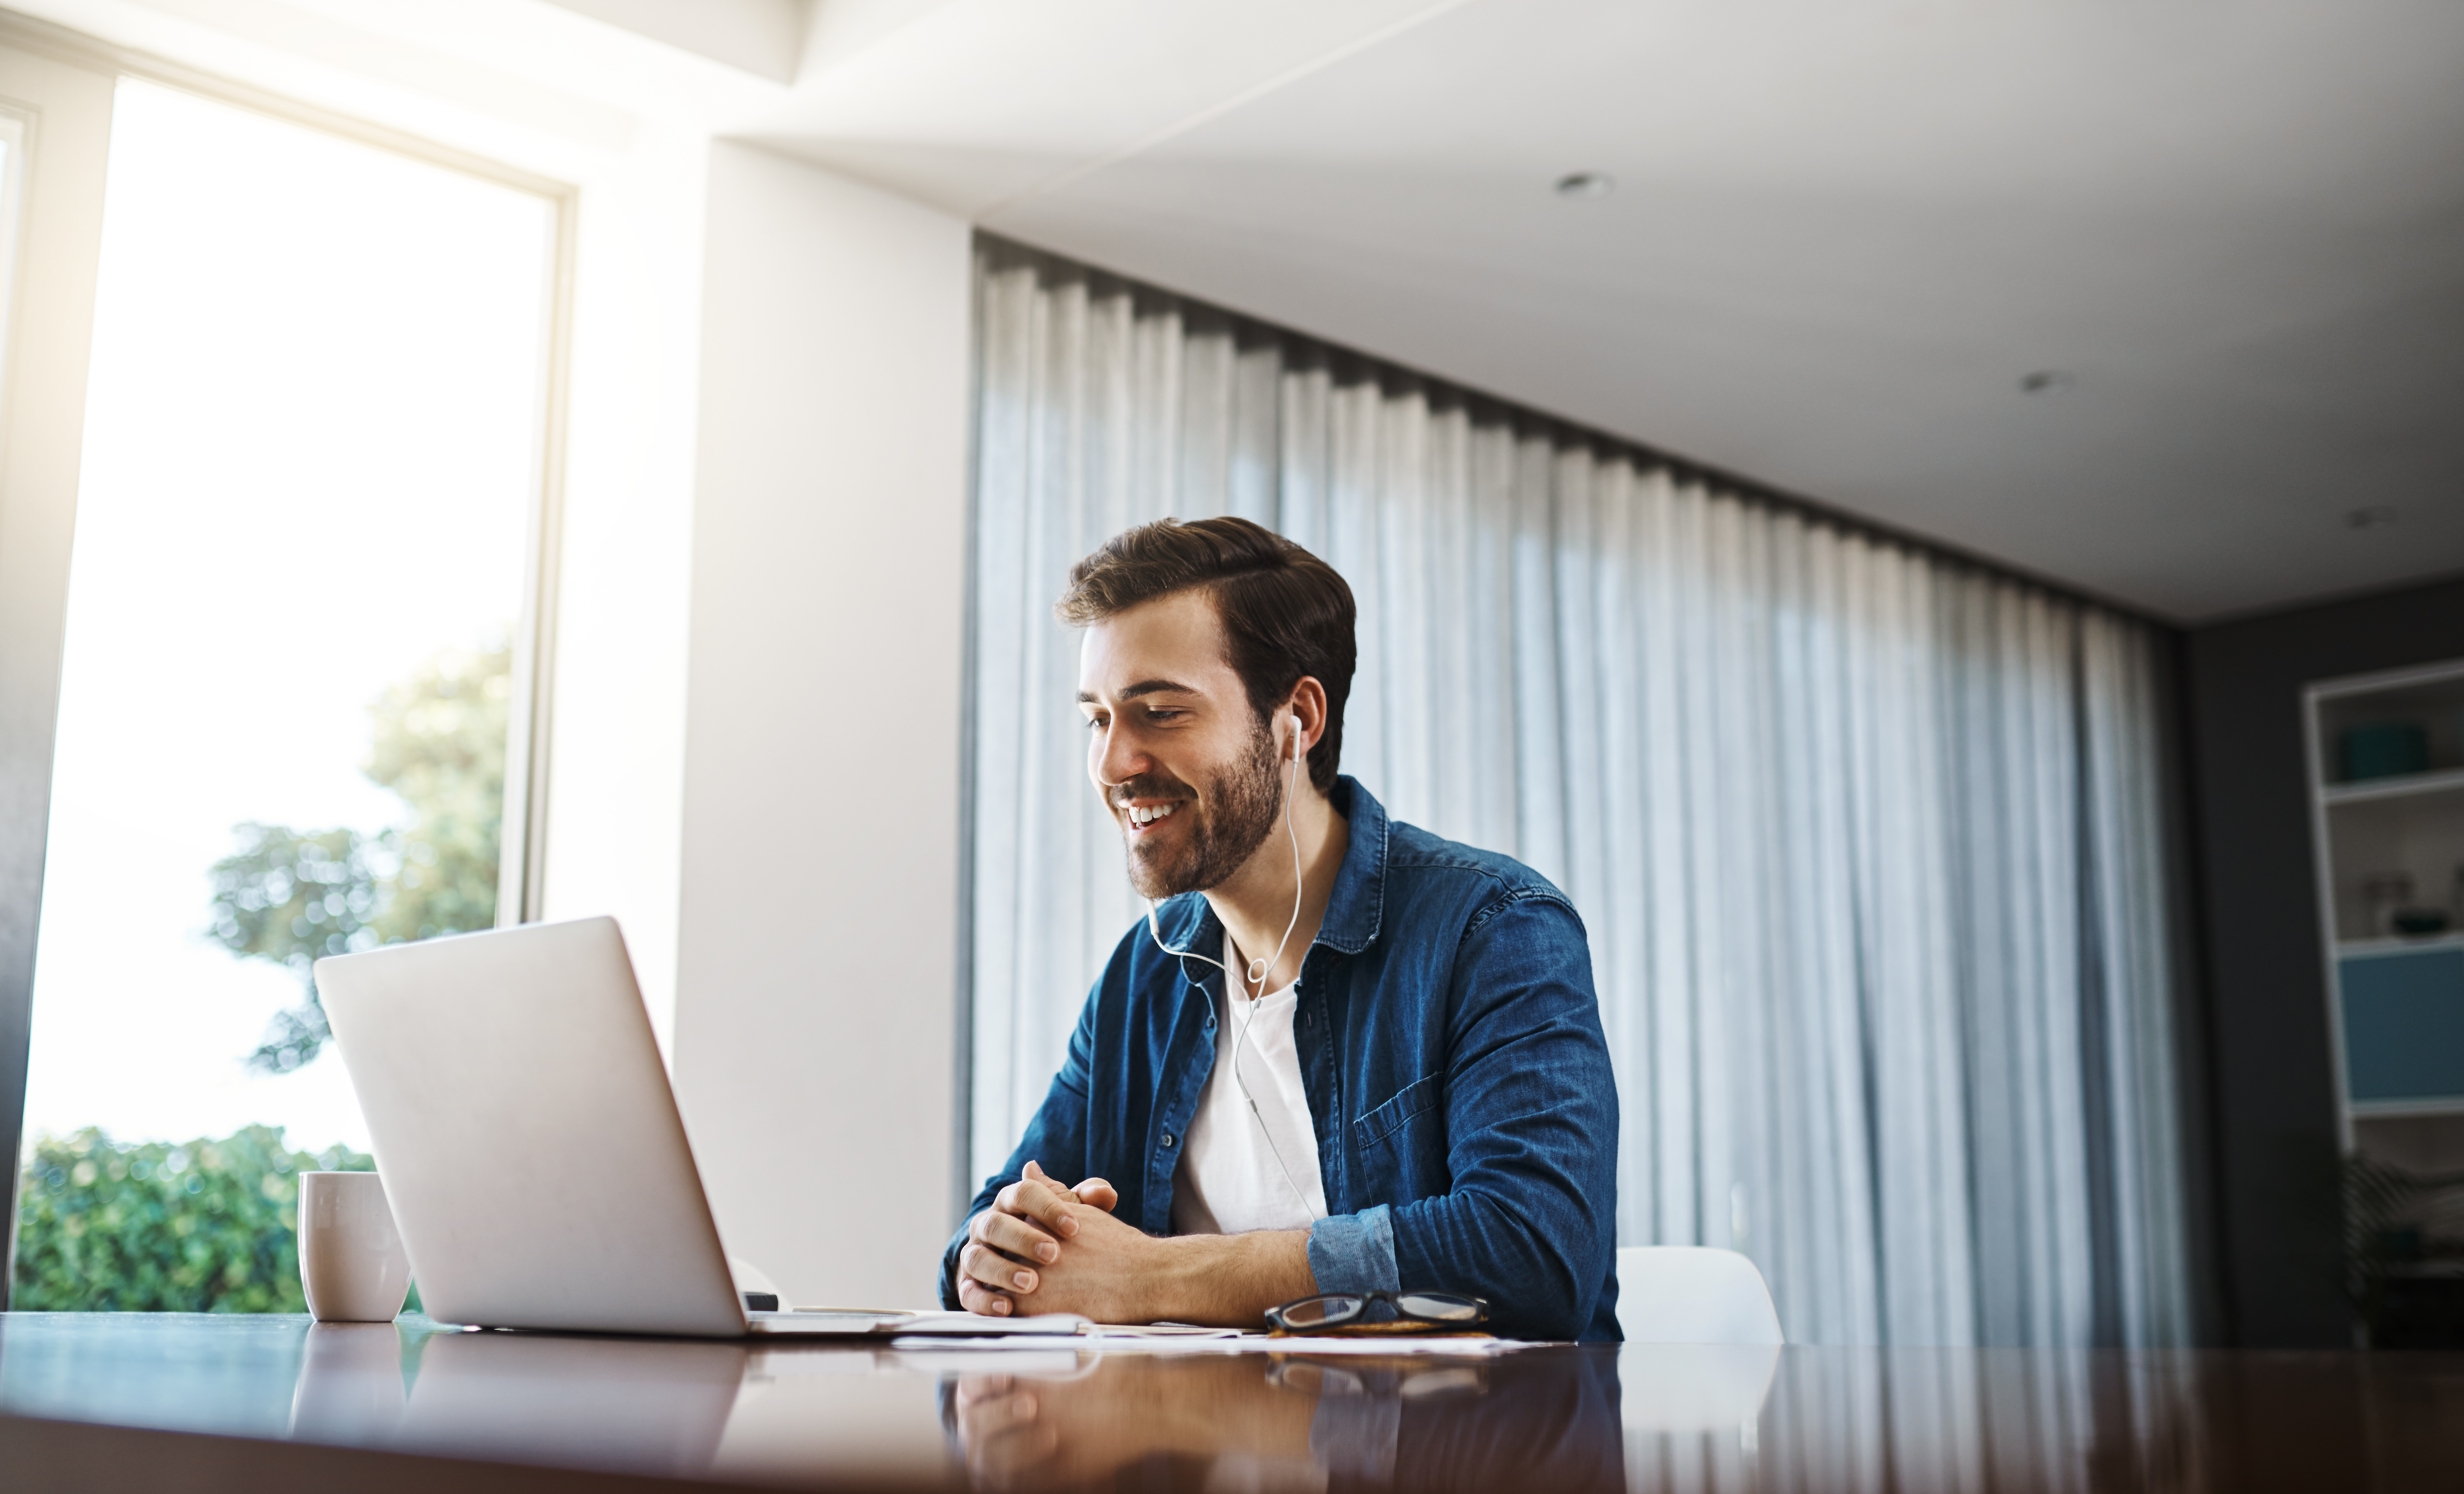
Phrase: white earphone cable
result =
(1257, 974)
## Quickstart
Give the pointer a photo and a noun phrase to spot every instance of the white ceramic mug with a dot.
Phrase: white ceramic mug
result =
(351, 1258)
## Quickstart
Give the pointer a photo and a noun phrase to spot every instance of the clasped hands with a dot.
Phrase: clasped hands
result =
(1042, 1248)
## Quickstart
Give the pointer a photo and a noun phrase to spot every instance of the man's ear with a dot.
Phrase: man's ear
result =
(1307, 700)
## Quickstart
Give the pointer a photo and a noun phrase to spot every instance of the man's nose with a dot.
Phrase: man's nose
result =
(1115, 758)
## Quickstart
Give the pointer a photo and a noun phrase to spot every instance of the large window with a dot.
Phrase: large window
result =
(299, 603)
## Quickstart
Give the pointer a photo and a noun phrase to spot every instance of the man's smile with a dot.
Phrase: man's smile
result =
(1141, 817)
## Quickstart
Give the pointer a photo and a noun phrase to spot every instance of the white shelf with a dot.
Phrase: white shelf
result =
(2348, 947)
(2441, 783)
(2411, 823)
(2386, 681)
(2405, 1110)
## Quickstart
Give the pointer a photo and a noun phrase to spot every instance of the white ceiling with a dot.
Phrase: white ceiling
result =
(1844, 229)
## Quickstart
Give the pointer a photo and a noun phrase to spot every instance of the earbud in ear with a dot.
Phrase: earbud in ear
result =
(1296, 735)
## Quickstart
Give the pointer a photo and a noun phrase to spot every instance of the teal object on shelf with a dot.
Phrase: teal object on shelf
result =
(2404, 1024)
(2384, 750)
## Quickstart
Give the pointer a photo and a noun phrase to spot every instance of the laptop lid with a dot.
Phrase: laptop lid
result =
(529, 1142)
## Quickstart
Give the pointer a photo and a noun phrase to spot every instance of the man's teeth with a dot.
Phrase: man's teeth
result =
(1138, 816)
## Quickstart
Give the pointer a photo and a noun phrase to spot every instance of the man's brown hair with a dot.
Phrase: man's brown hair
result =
(1286, 614)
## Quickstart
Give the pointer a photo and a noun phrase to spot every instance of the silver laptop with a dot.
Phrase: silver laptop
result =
(531, 1147)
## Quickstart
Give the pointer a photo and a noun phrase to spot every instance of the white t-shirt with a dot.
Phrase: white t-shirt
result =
(1229, 1181)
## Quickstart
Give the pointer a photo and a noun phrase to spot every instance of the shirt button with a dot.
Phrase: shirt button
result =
(1167, 1139)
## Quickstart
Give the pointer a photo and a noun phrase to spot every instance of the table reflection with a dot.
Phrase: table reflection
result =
(1273, 1422)
(624, 1405)
(353, 1383)
(1645, 1418)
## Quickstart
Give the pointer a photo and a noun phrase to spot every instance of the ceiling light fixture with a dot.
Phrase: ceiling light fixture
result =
(2378, 516)
(1586, 183)
(2046, 380)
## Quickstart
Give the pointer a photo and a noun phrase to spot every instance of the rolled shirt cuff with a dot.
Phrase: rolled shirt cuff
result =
(1354, 1252)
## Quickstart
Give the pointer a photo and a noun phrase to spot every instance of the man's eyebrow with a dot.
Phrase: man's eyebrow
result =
(1144, 687)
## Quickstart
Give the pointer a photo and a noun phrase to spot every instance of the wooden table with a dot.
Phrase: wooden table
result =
(143, 1401)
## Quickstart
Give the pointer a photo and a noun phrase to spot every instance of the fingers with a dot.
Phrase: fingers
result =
(1097, 1193)
(978, 1298)
(1036, 1173)
(989, 1267)
(1038, 1197)
(1013, 1236)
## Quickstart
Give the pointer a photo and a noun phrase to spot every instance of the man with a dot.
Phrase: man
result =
(1343, 1055)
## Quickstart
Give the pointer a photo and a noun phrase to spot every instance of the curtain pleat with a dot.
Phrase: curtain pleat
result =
(1867, 839)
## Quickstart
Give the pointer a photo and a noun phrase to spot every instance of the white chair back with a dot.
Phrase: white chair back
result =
(1693, 1294)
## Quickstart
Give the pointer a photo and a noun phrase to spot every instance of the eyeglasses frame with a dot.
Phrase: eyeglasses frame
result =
(1368, 1298)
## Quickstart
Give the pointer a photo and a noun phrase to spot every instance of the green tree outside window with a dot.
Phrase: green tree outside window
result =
(199, 1226)
(293, 896)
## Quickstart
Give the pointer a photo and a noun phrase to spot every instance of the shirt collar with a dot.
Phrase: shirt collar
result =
(1352, 914)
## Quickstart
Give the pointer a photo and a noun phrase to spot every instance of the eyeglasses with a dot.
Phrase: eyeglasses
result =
(1334, 1309)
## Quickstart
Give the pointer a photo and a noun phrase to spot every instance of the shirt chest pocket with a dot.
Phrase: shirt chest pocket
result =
(1383, 1124)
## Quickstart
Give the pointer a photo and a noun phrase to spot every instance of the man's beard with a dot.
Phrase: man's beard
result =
(1239, 812)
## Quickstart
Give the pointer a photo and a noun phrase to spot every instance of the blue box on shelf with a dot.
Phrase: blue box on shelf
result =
(2404, 1024)
(2384, 750)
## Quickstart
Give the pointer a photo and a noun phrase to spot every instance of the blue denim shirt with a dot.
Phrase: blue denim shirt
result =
(1458, 1081)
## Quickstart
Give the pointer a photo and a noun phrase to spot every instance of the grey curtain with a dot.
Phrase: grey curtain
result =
(1867, 839)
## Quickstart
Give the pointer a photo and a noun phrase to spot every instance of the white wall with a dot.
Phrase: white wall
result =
(617, 719)
(816, 974)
